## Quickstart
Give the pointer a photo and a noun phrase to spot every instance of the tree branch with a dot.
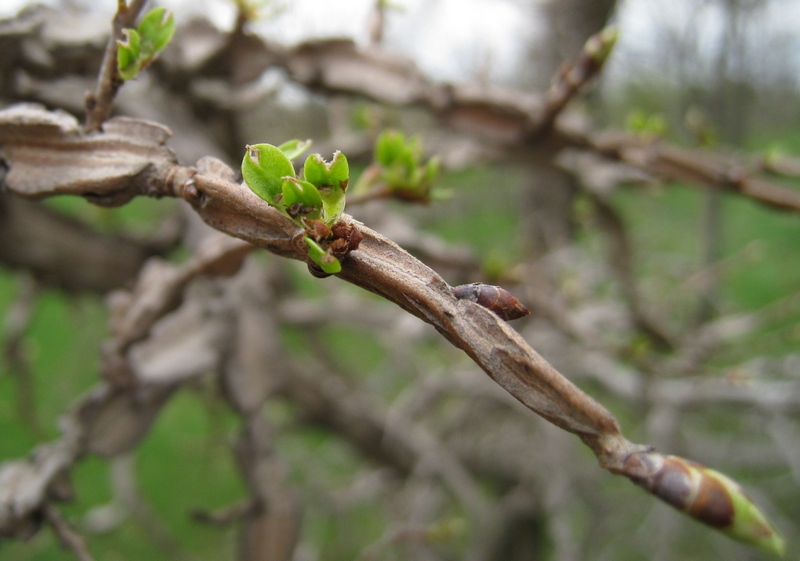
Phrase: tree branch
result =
(100, 103)
(679, 164)
(68, 537)
(137, 163)
(379, 266)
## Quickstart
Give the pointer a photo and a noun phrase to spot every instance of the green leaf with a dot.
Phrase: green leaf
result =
(128, 54)
(141, 45)
(301, 200)
(331, 178)
(294, 148)
(388, 5)
(432, 169)
(402, 168)
(324, 259)
(411, 154)
(264, 168)
(640, 122)
(389, 147)
(339, 170)
(315, 170)
(322, 173)
(156, 29)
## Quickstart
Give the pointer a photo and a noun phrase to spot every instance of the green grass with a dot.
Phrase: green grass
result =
(63, 361)
(484, 213)
(766, 249)
(760, 263)
(141, 215)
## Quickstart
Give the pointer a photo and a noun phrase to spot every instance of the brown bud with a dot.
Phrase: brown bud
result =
(317, 229)
(704, 494)
(348, 238)
(493, 298)
(684, 485)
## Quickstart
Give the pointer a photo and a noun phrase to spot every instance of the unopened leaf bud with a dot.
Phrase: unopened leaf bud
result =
(600, 45)
(706, 495)
(493, 298)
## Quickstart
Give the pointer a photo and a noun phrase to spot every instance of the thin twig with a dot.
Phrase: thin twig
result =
(377, 549)
(100, 102)
(785, 166)
(680, 164)
(377, 23)
(374, 193)
(620, 256)
(68, 537)
(571, 78)
(224, 516)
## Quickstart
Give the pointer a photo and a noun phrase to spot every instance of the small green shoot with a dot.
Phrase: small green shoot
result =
(142, 45)
(315, 203)
(326, 261)
(400, 169)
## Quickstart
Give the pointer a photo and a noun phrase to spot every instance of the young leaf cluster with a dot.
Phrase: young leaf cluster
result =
(142, 45)
(315, 202)
(401, 169)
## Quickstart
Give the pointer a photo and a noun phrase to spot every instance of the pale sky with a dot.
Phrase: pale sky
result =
(450, 39)
(447, 38)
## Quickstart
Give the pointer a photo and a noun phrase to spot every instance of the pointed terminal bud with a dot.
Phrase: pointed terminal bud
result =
(588, 64)
(600, 45)
(706, 495)
(264, 168)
